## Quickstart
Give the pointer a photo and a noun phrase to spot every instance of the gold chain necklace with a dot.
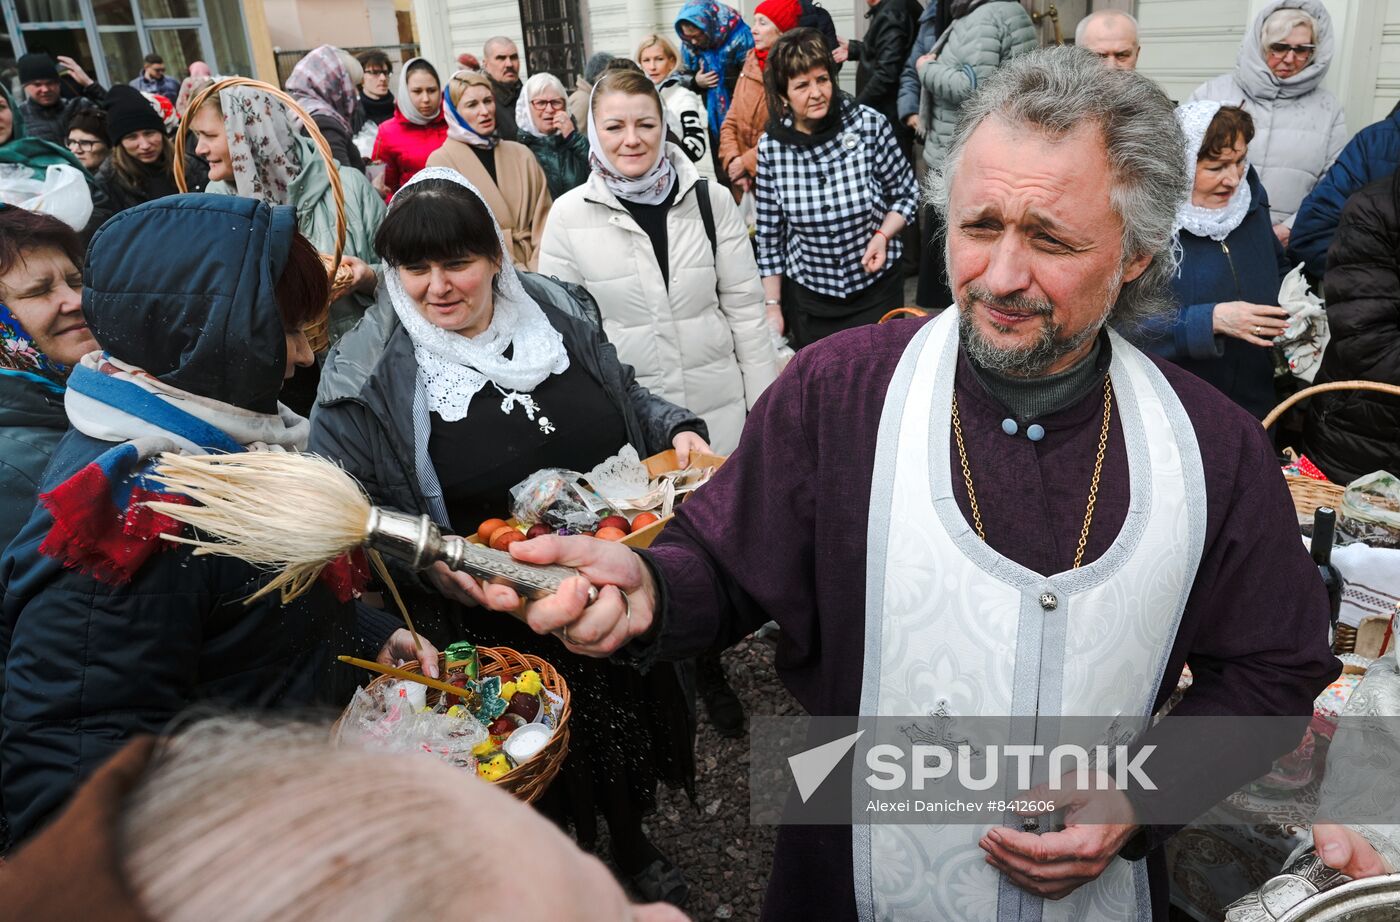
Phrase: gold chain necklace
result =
(1093, 485)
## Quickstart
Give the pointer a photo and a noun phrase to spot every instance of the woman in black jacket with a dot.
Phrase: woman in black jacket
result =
(141, 167)
(1351, 433)
(461, 381)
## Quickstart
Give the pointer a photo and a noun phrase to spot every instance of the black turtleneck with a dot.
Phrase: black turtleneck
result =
(1027, 399)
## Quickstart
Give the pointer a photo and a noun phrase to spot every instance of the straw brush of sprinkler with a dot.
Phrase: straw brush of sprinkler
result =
(296, 513)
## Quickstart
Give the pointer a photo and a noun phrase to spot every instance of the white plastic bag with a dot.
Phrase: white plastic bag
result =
(364, 139)
(748, 212)
(63, 192)
(1305, 338)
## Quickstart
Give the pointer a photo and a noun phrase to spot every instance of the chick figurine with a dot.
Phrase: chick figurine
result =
(495, 767)
(529, 682)
(507, 691)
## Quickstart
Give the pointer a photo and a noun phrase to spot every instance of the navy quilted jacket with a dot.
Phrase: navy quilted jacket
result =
(87, 664)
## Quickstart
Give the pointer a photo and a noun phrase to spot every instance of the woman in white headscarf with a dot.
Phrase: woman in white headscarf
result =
(546, 127)
(418, 128)
(255, 149)
(1232, 265)
(679, 292)
(465, 378)
(1299, 127)
(505, 172)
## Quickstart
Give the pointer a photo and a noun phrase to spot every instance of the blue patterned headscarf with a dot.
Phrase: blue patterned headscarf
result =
(727, 42)
(19, 353)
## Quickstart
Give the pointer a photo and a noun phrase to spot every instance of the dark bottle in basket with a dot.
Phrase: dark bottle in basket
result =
(1323, 536)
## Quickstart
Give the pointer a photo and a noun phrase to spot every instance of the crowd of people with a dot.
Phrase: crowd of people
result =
(690, 249)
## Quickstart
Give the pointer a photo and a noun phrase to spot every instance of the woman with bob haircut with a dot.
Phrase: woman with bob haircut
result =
(830, 259)
(465, 378)
(106, 631)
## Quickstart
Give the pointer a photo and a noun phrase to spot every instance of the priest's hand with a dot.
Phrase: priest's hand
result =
(592, 630)
(1055, 864)
(1346, 850)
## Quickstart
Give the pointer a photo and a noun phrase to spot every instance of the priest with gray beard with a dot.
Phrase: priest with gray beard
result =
(1006, 510)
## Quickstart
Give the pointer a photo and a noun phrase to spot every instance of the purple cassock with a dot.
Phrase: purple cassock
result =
(782, 533)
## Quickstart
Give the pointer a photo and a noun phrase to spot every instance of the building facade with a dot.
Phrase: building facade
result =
(109, 38)
(1185, 42)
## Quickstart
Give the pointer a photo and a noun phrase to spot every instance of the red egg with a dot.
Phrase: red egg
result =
(644, 519)
(537, 529)
(488, 528)
(503, 538)
(615, 521)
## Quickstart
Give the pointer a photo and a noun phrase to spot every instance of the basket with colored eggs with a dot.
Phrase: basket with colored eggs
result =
(625, 499)
(510, 724)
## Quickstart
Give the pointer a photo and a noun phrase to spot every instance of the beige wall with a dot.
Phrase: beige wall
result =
(350, 23)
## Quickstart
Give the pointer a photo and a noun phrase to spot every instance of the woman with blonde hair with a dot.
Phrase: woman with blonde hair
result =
(680, 99)
(505, 172)
(658, 58)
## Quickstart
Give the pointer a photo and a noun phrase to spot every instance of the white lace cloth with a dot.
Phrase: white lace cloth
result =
(452, 368)
(1215, 223)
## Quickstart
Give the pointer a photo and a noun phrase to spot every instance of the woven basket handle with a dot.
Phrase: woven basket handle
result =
(337, 191)
(904, 312)
(1307, 392)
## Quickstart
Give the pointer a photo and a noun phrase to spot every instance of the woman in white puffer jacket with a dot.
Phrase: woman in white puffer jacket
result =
(693, 324)
(1299, 128)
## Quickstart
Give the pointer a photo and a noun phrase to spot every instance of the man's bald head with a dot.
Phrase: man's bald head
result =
(501, 59)
(1112, 35)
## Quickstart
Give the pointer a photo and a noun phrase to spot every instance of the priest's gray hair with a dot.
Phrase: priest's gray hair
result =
(1055, 90)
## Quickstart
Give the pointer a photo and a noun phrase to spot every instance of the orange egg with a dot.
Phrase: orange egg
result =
(643, 520)
(611, 534)
(488, 528)
(503, 538)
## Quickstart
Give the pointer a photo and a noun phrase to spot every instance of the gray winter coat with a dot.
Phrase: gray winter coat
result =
(371, 417)
(1299, 128)
(969, 52)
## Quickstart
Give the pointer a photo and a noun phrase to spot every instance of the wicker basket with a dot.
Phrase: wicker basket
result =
(531, 778)
(904, 312)
(341, 276)
(1309, 494)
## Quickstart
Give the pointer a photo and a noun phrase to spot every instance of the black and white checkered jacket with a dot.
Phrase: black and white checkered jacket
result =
(819, 205)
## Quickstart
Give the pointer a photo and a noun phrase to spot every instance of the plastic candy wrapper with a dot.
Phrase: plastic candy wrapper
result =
(1302, 467)
(556, 498)
(391, 717)
(1371, 509)
(626, 485)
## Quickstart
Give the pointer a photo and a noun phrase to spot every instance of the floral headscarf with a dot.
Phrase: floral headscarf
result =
(262, 144)
(728, 40)
(323, 86)
(18, 352)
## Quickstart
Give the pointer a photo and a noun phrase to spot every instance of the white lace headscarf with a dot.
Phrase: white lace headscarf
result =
(452, 368)
(1215, 223)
